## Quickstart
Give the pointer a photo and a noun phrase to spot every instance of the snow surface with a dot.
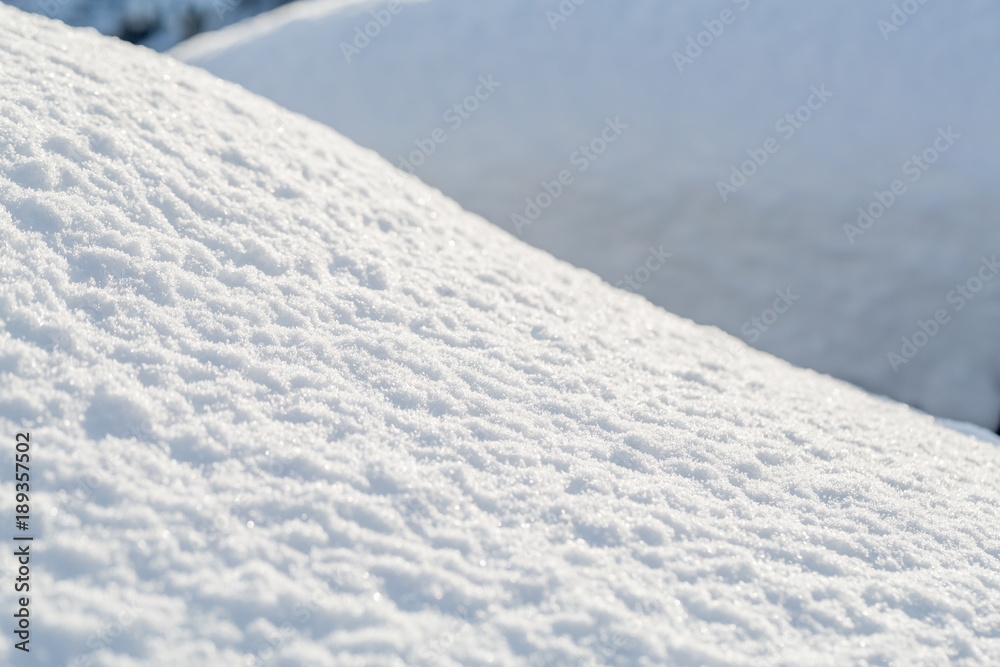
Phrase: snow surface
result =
(292, 407)
(858, 294)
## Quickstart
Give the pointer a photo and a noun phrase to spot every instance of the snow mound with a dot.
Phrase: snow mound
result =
(289, 406)
(824, 106)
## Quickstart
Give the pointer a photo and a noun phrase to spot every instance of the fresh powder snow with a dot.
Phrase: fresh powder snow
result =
(838, 159)
(290, 406)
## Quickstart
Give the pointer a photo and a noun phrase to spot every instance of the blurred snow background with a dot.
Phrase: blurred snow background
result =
(158, 24)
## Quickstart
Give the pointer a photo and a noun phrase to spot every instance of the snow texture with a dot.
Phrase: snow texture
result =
(292, 407)
(860, 289)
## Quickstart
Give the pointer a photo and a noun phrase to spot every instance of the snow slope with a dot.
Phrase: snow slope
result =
(886, 93)
(291, 407)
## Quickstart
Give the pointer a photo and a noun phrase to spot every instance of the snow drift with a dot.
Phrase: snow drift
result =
(290, 406)
(769, 146)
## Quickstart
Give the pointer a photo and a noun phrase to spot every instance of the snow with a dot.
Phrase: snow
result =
(289, 406)
(887, 93)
